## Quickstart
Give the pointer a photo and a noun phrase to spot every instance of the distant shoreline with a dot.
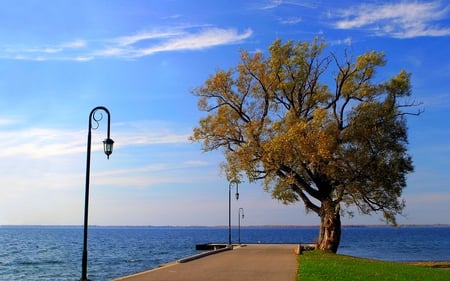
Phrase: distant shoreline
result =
(225, 226)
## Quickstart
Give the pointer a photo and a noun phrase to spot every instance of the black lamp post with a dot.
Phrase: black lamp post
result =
(239, 224)
(108, 148)
(229, 207)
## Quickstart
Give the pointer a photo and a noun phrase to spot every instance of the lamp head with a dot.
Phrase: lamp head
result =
(108, 146)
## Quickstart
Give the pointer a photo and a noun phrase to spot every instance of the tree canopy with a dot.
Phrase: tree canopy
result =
(313, 128)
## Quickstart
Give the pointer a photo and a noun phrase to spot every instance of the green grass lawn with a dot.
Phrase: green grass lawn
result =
(319, 265)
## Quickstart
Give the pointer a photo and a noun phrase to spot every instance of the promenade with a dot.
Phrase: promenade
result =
(262, 262)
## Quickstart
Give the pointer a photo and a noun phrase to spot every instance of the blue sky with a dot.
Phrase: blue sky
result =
(141, 59)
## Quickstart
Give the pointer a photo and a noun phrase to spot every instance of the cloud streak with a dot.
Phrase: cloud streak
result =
(271, 5)
(397, 20)
(133, 46)
(145, 44)
(274, 4)
(48, 142)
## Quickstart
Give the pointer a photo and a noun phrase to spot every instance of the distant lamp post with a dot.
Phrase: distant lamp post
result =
(229, 207)
(108, 149)
(239, 224)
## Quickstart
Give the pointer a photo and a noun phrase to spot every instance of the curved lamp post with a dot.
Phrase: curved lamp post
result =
(108, 148)
(229, 207)
(239, 224)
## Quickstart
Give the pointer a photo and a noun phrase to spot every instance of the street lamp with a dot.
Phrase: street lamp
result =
(239, 223)
(229, 207)
(108, 148)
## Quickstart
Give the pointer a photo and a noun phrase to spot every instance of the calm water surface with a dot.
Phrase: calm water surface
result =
(54, 253)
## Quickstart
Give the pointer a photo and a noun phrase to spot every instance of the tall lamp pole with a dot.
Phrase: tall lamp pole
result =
(239, 224)
(229, 207)
(108, 148)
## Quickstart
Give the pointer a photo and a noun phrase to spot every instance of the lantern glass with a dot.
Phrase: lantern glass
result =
(108, 146)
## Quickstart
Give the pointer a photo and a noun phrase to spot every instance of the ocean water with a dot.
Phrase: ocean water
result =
(54, 253)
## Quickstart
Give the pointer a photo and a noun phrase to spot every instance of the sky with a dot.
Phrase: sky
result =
(141, 59)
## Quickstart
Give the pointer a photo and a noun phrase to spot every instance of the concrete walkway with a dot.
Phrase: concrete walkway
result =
(262, 262)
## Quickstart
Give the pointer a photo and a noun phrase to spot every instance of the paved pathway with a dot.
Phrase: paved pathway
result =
(262, 262)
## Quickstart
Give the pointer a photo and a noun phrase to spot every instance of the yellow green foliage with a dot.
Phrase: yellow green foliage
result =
(340, 143)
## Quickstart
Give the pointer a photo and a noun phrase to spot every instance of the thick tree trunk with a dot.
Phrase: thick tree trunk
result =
(330, 228)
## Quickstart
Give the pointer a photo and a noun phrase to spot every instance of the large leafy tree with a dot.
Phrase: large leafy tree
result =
(312, 128)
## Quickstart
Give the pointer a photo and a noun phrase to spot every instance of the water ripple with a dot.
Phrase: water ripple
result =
(54, 253)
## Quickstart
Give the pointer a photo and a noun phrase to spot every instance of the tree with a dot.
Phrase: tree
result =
(312, 129)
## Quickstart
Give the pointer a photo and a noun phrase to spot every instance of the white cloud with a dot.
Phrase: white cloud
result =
(130, 46)
(397, 20)
(48, 142)
(197, 163)
(140, 45)
(291, 20)
(204, 39)
(39, 164)
(271, 4)
(346, 41)
(132, 39)
(81, 58)
(9, 121)
(154, 138)
(147, 133)
(64, 51)
(158, 173)
(74, 44)
(36, 143)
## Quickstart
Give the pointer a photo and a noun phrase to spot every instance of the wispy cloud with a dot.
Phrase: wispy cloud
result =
(9, 121)
(148, 175)
(129, 46)
(37, 143)
(147, 35)
(46, 158)
(74, 44)
(61, 51)
(346, 41)
(267, 5)
(291, 20)
(397, 20)
(273, 4)
(49, 142)
(145, 44)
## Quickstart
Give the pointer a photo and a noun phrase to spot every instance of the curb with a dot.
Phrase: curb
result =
(205, 254)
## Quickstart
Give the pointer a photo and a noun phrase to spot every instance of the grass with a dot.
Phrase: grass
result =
(319, 265)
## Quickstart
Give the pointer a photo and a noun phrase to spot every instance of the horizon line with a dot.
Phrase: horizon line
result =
(224, 226)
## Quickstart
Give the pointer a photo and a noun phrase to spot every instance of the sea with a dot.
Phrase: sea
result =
(54, 252)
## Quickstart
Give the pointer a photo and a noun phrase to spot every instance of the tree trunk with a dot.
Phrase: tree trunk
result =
(330, 227)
